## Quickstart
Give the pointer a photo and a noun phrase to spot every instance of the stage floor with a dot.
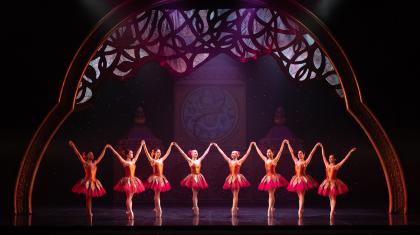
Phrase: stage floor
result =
(214, 216)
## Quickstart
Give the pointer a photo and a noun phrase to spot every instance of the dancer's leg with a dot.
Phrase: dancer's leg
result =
(158, 209)
(89, 205)
(270, 202)
(235, 193)
(273, 198)
(301, 196)
(129, 204)
(195, 201)
(332, 206)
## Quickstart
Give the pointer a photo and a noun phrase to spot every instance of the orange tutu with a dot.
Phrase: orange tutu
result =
(301, 183)
(236, 181)
(272, 181)
(194, 181)
(332, 188)
(159, 183)
(91, 188)
(130, 185)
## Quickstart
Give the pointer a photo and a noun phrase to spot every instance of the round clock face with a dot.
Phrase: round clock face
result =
(209, 114)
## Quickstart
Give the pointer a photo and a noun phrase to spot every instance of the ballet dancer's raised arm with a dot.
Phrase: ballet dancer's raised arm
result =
(248, 151)
(138, 152)
(324, 158)
(116, 154)
(146, 151)
(168, 152)
(182, 153)
(259, 152)
(346, 158)
(292, 152)
(205, 153)
(221, 152)
(277, 158)
(311, 154)
(97, 161)
(76, 151)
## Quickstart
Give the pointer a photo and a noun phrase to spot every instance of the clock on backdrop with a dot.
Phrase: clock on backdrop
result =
(210, 105)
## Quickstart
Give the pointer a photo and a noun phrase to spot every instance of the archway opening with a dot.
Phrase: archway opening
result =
(301, 51)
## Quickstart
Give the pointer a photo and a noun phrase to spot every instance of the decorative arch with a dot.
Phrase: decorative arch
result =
(181, 40)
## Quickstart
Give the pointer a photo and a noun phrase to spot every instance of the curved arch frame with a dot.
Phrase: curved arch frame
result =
(35, 151)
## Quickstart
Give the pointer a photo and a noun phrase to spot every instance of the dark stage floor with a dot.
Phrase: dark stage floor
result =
(215, 220)
(219, 216)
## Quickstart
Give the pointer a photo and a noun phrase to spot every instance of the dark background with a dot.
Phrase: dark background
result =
(39, 40)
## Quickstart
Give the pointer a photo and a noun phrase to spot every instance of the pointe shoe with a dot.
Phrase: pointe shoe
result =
(196, 211)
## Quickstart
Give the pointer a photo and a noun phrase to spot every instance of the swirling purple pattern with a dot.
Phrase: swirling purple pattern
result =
(182, 40)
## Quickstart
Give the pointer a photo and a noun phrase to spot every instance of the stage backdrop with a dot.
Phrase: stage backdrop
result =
(225, 101)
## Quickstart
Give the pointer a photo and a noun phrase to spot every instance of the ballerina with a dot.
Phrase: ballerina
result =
(332, 186)
(157, 181)
(129, 184)
(235, 181)
(272, 180)
(89, 185)
(301, 182)
(195, 181)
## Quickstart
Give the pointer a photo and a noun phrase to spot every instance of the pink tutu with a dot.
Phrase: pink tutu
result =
(159, 183)
(272, 181)
(301, 183)
(129, 185)
(236, 181)
(91, 188)
(194, 181)
(332, 188)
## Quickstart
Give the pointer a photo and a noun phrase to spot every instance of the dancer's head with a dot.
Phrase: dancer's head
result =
(193, 154)
(331, 159)
(270, 154)
(235, 154)
(129, 154)
(301, 155)
(156, 153)
(89, 156)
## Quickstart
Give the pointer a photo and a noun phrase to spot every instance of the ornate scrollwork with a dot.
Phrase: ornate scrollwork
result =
(182, 40)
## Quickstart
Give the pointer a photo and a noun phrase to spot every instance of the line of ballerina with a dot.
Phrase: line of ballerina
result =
(300, 183)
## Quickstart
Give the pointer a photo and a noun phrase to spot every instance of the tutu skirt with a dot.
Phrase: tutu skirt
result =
(272, 181)
(301, 183)
(235, 182)
(332, 188)
(91, 188)
(194, 181)
(129, 185)
(160, 183)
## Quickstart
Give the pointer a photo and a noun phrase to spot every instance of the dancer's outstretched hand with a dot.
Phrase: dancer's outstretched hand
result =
(71, 143)
(353, 149)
